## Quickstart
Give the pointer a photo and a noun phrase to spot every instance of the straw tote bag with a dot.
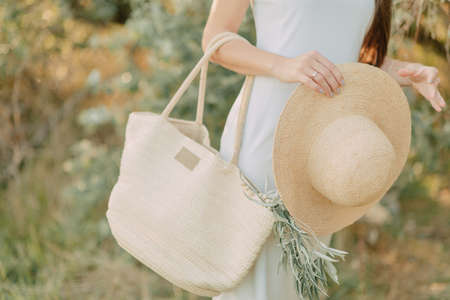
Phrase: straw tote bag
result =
(177, 206)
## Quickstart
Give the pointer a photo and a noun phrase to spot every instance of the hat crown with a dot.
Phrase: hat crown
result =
(350, 161)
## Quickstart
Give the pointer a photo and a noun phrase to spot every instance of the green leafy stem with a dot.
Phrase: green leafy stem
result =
(308, 257)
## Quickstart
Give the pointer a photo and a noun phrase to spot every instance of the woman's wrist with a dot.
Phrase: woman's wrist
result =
(275, 62)
(391, 66)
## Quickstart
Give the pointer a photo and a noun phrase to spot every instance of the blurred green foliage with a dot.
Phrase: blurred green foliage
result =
(72, 71)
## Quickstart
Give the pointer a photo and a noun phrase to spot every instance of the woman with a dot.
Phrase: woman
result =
(298, 42)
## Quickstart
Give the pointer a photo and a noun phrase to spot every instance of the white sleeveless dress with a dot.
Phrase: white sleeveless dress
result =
(336, 29)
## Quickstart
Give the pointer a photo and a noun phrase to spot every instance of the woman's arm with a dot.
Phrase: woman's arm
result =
(425, 79)
(312, 69)
(236, 55)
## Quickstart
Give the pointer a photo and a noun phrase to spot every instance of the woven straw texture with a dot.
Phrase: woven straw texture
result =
(177, 206)
(333, 158)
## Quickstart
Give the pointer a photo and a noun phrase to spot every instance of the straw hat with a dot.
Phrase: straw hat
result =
(333, 158)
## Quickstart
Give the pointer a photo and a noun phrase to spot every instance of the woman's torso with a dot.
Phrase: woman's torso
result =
(335, 28)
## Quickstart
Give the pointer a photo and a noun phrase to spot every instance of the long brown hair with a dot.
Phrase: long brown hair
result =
(375, 44)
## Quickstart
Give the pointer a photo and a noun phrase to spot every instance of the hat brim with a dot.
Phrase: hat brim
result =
(368, 91)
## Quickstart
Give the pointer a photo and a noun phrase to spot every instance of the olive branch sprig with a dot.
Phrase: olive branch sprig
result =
(308, 257)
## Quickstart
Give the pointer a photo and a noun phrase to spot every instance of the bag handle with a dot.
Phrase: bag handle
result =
(215, 43)
(203, 74)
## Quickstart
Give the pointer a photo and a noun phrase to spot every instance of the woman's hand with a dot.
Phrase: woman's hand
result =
(425, 80)
(311, 69)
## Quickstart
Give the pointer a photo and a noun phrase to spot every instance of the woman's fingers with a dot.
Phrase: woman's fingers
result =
(328, 76)
(441, 100)
(312, 69)
(427, 75)
(419, 76)
(330, 66)
(436, 81)
(435, 106)
(438, 100)
(319, 78)
(435, 100)
(305, 79)
(427, 80)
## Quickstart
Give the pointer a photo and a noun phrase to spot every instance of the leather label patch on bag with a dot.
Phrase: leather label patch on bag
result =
(187, 158)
